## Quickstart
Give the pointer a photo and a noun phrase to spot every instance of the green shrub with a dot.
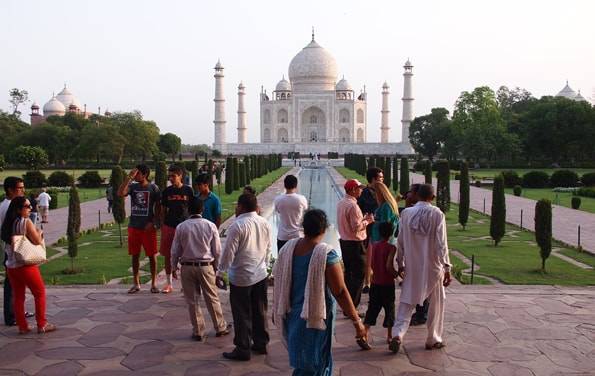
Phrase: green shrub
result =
(404, 179)
(543, 229)
(90, 179)
(464, 195)
(585, 192)
(587, 179)
(511, 178)
(536, 179)
(575, 202)
(60, 179)
(428, 172)
(498, 214)
(395, 173)
(161, 175)
(443, 186)
(517, 190)
(478, 183)
(34, 179)
(54, 201)
(564, 178)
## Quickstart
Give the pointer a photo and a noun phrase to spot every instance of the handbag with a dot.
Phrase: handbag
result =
(26, 252)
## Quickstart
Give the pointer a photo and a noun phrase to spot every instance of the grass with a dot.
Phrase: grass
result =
(584, 257)
(491, 172)
(558, 198)
(85, 194)
(104, 173)
(516, 260)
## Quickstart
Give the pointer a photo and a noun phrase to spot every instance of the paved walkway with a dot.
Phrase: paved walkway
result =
(565, 221)
(490, 330)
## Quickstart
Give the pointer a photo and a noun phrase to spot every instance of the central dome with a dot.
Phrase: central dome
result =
(313, 68)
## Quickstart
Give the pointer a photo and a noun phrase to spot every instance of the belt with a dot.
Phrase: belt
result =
(198, 263)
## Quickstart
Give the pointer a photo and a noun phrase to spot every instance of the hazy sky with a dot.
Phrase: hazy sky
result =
(158, 56)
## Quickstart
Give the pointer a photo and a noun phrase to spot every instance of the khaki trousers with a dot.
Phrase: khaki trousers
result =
(197, 280)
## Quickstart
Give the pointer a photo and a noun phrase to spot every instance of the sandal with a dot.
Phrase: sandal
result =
(394, 345)
(154, 290)
(167, 289)
(436, 346)
(363, 344)
(134, 290)
(47, 328)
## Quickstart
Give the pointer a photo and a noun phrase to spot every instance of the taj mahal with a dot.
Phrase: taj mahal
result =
(312, 112)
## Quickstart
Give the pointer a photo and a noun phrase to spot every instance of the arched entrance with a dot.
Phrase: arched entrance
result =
(313, 125)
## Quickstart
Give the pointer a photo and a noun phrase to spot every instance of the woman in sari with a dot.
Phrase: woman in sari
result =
(308, 278)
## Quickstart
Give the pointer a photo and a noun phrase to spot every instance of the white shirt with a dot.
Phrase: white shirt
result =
(3, 209)
(44, 199)
(291, 208)
(196, 239)
(247, 250)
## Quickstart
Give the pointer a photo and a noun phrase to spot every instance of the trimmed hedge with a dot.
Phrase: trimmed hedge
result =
(588, 179)
(536, 179)
(60, 179)
(90, 179)
(585, 192)
(34, 179)
(575, 202)
(517, 190)
(511, 178)
(564, 178)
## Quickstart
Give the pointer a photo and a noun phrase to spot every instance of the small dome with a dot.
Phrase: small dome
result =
(579, 97)
(54, 107)
(313, 68)
(218, 65)
(67, 98)
(283, 85)
(343, 85)
(385, 85)
(35, 106)
(241, 85)
(408, 64)
(567, 92)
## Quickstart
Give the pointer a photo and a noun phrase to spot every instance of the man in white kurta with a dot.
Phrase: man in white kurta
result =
(422, 255)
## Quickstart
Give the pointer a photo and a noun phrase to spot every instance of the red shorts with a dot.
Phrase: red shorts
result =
(167, 238)
(138, 237)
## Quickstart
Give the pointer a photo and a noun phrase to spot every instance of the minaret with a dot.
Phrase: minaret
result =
(407, 102)
(242, 117)
(384, 122)
(219, 106)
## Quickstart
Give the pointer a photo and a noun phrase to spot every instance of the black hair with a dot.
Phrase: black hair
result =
(196, 205)
(248, 202)
(385, 229)
(373, 173)
(176, 170)
(415, 187)
(201, 179)
(314, 223)
(250, 189)
(144, 170)
(12, 214)
(290, 182)
(425, 192)
(11, 183)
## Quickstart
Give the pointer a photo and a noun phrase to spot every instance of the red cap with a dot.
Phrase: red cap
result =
(351, 184)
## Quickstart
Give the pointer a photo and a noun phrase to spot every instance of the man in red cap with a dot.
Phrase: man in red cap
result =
(352, 233)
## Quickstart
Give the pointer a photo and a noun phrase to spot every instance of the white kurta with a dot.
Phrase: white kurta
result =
(422, 248)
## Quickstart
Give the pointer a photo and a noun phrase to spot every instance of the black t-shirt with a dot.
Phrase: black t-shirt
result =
(142, 203)
(367, 201)
(176, 200)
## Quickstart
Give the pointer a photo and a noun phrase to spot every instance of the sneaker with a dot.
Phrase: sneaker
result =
(47, 328)
(167, 289)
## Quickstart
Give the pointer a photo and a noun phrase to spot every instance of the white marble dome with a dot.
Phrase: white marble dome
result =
(53, 107)
(283, 85)
(313, 68)
(567, 92)
(67, 98)
(343, 85)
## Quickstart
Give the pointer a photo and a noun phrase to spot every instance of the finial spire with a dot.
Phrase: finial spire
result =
(312, 33)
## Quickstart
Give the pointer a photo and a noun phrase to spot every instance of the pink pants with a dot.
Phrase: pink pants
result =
(20, 279)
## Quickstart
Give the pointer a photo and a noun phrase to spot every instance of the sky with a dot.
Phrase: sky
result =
(158, 56)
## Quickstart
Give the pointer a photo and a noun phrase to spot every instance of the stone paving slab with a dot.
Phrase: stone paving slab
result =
(490, 330)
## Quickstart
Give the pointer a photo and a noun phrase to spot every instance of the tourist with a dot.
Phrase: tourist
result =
(422, 249)
(109, 195)
(249, 189)
(290, 208)
(13, 187)
(34, 212)
(368, 204)
(211, 203)
(174, 210)
(307, 275)
(245, 258)
(351, 225)
(16, 222)
(197, 248)
(144, 215)
(43, 205)
(387, 211)
(382, 289)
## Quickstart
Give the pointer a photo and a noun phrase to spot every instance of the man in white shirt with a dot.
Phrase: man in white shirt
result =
(43, 205)
(290, 207)
(197, 248)
(245, 258)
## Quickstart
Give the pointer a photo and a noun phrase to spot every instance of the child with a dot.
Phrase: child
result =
(382, 290)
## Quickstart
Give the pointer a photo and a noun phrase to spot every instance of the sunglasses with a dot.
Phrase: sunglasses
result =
(27, 206)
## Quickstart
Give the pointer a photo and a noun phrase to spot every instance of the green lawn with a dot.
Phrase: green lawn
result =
(491, 172)
(558, 198)
(584, 257)
(516, 260)
(104, 173)
(85, 194)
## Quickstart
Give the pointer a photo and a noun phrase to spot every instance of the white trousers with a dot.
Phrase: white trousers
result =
(435, 321)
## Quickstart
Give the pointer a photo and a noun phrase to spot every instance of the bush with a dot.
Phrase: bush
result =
(586, 192)
(498, 214)
(575, 202)
(478, 183)
(443, 186)
(511, 178)
(517, 190)
(34, 179)
(536, 179)
(454, 165)
(464, 195)
(457, 176)
(543, 229)
(419, 166)
(428, 172)
(60, 179)
(54, 201)
(564, 178)
(588, 179)
(90, 179)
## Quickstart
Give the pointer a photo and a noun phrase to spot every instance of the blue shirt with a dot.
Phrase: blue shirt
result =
(211, 207)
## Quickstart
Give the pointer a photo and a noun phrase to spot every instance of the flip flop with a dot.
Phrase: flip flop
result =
(436, 346)
(134, 290)
(361, 342)
(154, 290)
(394, 345)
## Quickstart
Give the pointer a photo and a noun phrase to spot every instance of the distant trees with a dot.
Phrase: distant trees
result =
(33, 157)
(427, 132)
(17, 98)
(170, 144)
(498, 214)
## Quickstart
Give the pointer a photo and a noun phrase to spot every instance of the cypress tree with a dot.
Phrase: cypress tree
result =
(464, 195)
(396, 173)
(404, 187)
(387, 172)
(118, 210)
(161, 175)
(218, 177)
(428, 172)
(210, 173)
(443, 187)
(74, 224)
(228, 175)
(236, 173)
(194, 169)
(498, 217)
(543, 229)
